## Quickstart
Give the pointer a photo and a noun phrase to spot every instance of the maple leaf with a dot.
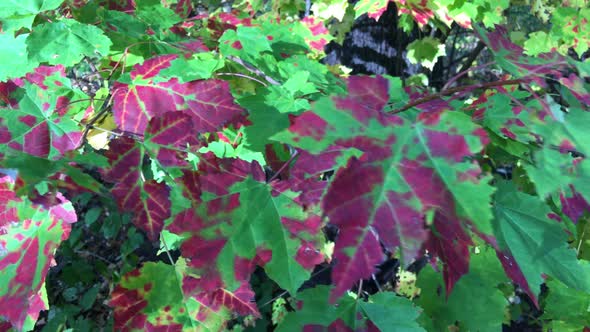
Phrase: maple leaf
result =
(406, 170)
(537, 243)
(184, 8)
(167, 135)
(29, 236)
(555, 169)
(319, 36)
(240, 222)
(374, 9)
(14, 56)
(18, 14)
(148, 200)
(208, 102)
(487, 302)
(511, 57)
(45, 44)
(42, 124)
(574, 206)
(150, 299)
(314, 312)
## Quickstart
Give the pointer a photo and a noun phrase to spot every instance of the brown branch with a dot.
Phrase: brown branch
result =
(103, 110)
(463, 73)
(454, 90)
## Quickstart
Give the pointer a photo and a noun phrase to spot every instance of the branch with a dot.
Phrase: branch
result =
(462, 73)
(103, 110)
(241, 75)
(453, 90)
(254, 70)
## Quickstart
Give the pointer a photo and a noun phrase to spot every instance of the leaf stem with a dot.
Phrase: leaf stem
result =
(295, 154)
(167, 250)
(580, 244)
(253, 69)
(286, 292)
(454, 90)
(104, 108)
(242, 75)
(462, 73)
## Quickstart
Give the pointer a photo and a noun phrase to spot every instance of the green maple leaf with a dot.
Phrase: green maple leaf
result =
(155, 15)
(538, 244)
(485, 311)
(426, 51)
(379, 310)
(66, 42)
(17, 14)
(567, 304)
(538, 42)
(14, 56)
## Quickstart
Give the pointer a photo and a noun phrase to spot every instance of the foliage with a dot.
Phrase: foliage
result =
(219, 137)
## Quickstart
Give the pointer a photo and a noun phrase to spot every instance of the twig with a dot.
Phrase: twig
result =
(284, 166)
(242, 75)
(462, 73)
(253, 69)
(75, 101)
(167, 251)
(88, 253)
(126, 51)
(358, 293)
(104, 108)
(454, 90)
(286, 292)
(580, 244)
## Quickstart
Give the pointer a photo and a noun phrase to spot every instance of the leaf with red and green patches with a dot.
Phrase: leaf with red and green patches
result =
(579, 89)
(147, 199)
(42, 125)
(373, 8)
(145, 94)
(407, 170)
(318, 36)
(573, 204)
(242, 220)
(569, 29)
(29, 236)
(511, 57)
(554, 169)
(246, 42)
(421, 10)
(184, 8)
(496, 111)
(265, 46)
(151, 299)
(168, 136)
